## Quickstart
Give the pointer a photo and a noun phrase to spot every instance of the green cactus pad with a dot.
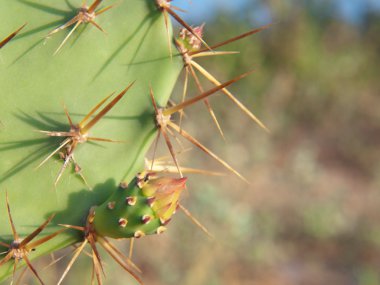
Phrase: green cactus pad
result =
(34, 85)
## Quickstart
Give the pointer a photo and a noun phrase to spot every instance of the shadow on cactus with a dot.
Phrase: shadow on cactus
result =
(86, 66)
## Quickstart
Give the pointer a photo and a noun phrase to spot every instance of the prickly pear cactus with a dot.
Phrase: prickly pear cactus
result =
(35, 84)
(82, 86)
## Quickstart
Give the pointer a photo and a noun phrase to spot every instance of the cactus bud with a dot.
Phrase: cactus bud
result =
(190, 42)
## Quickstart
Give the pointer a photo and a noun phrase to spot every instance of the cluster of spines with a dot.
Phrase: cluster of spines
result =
(79, 134)
(19, 248)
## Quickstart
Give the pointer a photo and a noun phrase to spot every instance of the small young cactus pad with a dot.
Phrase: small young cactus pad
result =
(144, 207)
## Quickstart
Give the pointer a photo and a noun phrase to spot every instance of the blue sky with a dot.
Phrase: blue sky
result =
(202, 10)
(354, 10)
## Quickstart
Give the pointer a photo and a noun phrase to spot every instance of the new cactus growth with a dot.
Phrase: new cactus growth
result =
(144, 207)
(36, 131)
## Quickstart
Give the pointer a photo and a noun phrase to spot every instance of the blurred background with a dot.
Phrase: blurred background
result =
(311, 214)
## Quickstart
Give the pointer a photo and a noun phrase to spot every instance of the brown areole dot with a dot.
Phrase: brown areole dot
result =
(123, 185)
(111, 205)
(131, 200)
(123, 222)
(146, 219)
(140, 183)
(150, 201)
(139, 234)
(165, 222)
(161, 230)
